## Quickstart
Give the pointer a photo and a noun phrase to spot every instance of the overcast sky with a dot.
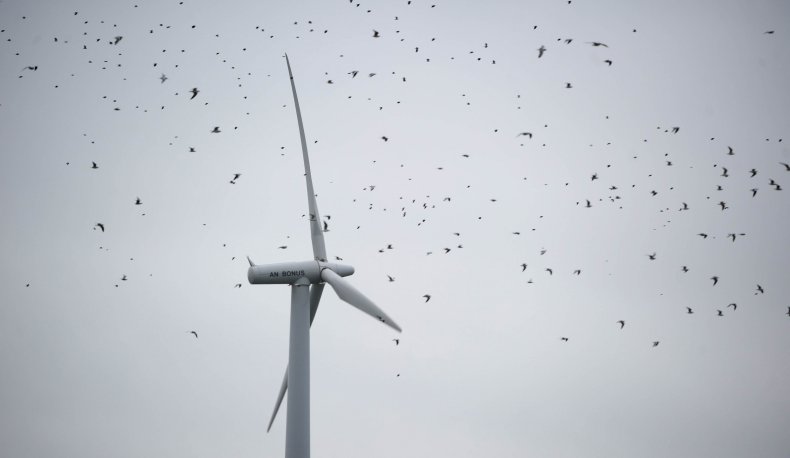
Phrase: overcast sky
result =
(97, 366)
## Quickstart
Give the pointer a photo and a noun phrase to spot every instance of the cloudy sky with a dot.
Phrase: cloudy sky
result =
(94, 365)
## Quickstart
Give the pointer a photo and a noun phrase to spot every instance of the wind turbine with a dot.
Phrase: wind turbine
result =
(307, 283)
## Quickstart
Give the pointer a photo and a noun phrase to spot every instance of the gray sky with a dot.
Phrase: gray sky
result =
(91, 369)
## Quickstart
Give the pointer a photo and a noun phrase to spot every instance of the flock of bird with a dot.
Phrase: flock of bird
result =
(100, 50)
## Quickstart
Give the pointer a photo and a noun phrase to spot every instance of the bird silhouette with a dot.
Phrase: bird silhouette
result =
(390, 278)
(551, 272)
(100, 226)
(787, 166)
(733, 305)
(719, 313)
(597, 43)
(608, 61)
(541, 50)
(752, 173)
(652, 256)
(689, 311)
(376, 34)
(117, 39)
(526, 134)
(194, 92)
(163, 78)
(523, 267)
(138, 201)
(715, 280)
(754, 191)
(684, 268)
(215, 130)
(703, 235)
(397, 341)
(194, 334)
(427, 297)
(94, 166)
(655, 343)
(621, 323)
(326, 227)
(237, 285)
(760, 290)
(564, 339)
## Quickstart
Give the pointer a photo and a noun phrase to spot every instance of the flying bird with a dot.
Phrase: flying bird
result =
(754, 191)
(551, 272)
(326, 227)
(597, 43)
(564, 339)
(720, 313)
(689, 311)
(376, 34)
(787, 166)
(527, 134)
(753, 172)
(655, 343)
(652, 256)
(523, 267)
(715, 280)
(163, 78)
(541, 50)
(427, 297)
(608, 61)
(397, 341)
(760, 290)
(235, 177)
(621, 323)
(138, 201)
(215, 130)
(282, 247)
(194, 334)
(390, 278)
(237, 285)
(94, 166)
(733, 305)
(100, 226)
(194, 92)
(117, 40)
(703, 235)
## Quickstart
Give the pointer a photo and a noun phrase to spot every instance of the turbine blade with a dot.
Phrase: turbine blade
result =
(316, 231)
(250, 261)
(350, 295)
(315, 298)
(280, 397)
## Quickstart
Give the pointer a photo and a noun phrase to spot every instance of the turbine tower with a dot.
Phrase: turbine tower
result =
(307, 283)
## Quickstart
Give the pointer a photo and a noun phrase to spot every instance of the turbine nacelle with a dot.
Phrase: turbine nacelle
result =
(289, 272)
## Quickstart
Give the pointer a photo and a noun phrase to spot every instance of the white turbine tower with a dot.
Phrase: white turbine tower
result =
(307, 283)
